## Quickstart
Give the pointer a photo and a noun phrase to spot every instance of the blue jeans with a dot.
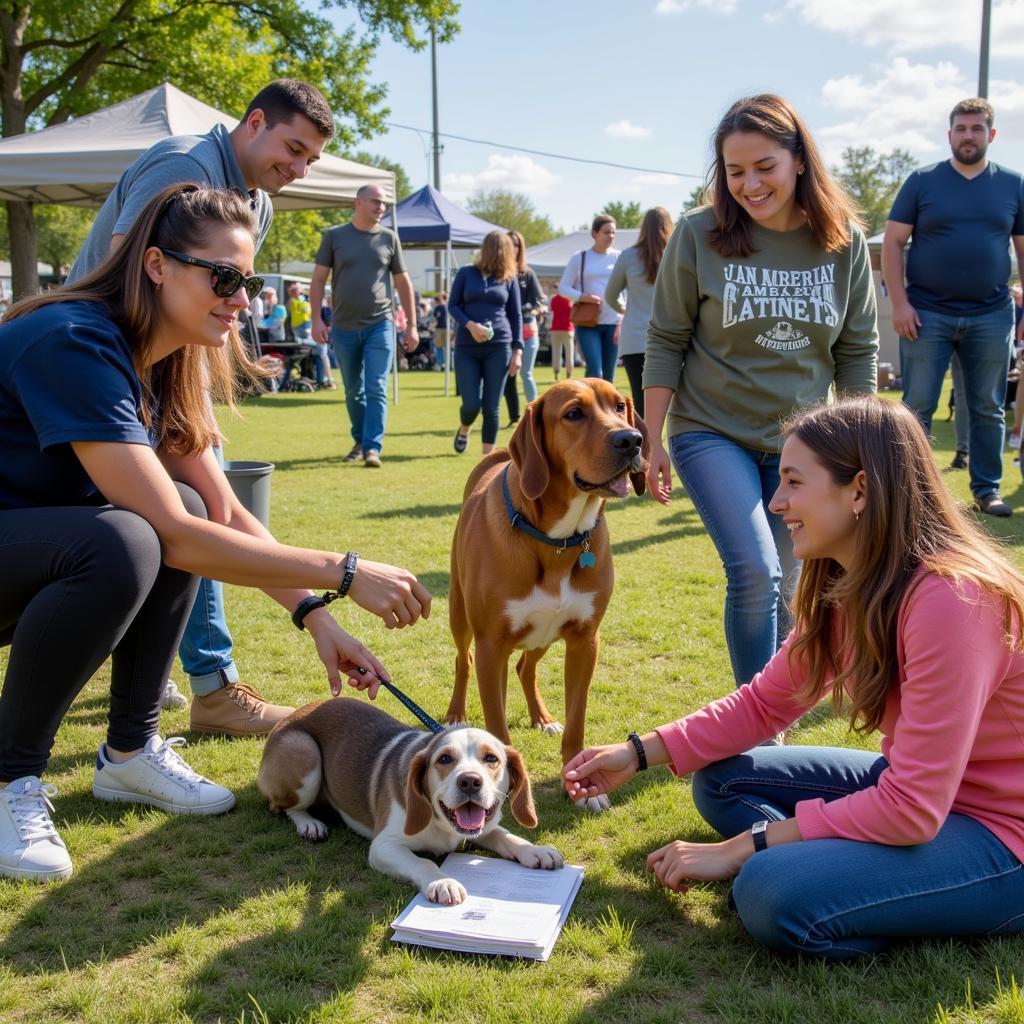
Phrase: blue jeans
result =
(530, 346)
(480, 372)
(961, 425)
(206, 644)
(983, 345)
(600, 350)
(731, 486)
(840, 899)
(364, 357)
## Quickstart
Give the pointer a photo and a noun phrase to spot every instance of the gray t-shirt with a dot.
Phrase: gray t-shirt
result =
(360, 262)
(206, 159)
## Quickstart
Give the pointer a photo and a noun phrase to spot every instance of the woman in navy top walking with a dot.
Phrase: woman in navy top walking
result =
(489, 342)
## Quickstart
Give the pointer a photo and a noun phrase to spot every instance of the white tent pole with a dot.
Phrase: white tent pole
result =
(448, 333)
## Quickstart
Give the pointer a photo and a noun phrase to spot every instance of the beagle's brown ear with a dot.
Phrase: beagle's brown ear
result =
(639, 478)
(527, 450)
(418, 811)
(519, 786)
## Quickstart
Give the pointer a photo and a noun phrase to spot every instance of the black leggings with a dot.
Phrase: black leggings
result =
(81, 584)
(634, 366)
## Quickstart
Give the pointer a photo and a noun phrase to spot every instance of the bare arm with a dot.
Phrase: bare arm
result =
(904, 317)
(237, 550)
(659, 472)
(407, 296)
(321, 332)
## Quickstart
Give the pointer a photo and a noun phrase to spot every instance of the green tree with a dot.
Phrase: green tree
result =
(60, 60)
(61, 230)
(403, 187)
(294, 236)
(626, 215)
(873, 179)
(512, 211)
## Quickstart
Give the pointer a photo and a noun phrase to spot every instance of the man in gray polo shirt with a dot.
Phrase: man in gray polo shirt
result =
(279, 138)
(361, 255)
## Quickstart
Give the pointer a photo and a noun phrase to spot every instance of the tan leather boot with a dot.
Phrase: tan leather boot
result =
(235, 710)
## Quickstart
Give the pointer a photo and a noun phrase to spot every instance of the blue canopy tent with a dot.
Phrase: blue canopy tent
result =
(426, 220)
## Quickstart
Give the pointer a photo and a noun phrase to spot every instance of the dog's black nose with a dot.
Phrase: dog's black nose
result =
(470, 783)
(627, 441)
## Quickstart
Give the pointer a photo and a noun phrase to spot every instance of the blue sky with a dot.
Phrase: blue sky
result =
(644, 83)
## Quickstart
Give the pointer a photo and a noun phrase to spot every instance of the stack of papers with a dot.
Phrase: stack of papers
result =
(510, 909)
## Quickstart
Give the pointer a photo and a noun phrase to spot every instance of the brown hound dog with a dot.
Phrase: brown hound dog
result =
(531, 562)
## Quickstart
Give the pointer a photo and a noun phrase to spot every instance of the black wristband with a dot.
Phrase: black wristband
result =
(641, 754)
(351, 560)
(304, 607)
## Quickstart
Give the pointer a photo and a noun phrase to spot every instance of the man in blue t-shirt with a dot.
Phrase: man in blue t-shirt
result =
(960, 216)
(278, 139)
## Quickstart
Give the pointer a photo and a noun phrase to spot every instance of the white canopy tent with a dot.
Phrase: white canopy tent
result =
(78, 163)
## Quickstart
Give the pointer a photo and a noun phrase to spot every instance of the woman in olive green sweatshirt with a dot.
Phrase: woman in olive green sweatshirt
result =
(764, 303)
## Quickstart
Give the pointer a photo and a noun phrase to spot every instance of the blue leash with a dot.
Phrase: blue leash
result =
(429, 722)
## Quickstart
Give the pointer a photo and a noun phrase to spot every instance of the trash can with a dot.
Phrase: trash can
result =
(251, 483)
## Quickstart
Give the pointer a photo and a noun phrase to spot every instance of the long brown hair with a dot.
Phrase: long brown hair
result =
(497, 258)
(846, 621)
(177, 389)
(829, 210)
(519, 251)
(650, 243)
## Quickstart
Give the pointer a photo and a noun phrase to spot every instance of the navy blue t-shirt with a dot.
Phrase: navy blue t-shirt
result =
(66, 374)
(959, 260)
(477, 299)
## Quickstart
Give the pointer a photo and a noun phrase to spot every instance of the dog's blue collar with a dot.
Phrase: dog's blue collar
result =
(520, 522)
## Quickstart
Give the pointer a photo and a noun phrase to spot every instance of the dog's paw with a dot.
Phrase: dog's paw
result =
(546, 857)
(308, 827)
(595, 804)
(550, 728)
(446, 891)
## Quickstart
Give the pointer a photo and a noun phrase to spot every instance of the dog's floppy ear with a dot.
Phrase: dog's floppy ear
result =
(639, 478)
(519, 786)
(418, 811)
(527, 450)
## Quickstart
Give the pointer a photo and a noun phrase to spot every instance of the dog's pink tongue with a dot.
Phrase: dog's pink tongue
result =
(470, 817)
(619, 486)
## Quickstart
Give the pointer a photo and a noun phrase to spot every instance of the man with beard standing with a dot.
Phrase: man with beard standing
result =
(960, 216)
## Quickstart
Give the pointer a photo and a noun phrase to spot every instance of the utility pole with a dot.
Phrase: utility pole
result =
(437, 143)
(986, 26)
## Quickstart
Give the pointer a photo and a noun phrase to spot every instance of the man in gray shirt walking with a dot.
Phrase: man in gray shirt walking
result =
(360, 255)
(279, 138)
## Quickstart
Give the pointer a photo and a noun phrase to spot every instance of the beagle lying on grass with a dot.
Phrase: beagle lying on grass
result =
(531, 563)
(403, 789)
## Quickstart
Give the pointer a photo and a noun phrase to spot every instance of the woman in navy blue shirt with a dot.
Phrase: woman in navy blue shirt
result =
(489, 342)
(112, 505)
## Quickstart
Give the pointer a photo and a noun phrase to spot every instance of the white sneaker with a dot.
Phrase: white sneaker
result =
(29, 844)
(171, 698)
(158, 776)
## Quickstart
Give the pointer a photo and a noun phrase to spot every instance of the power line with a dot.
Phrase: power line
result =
(552, 156)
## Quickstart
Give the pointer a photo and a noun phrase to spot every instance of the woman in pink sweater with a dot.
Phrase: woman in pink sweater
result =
(911, 613)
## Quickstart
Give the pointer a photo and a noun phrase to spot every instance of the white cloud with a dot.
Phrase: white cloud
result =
(918, 24)
(655, 188)
(907, 105)
(516, 173)
(625, 129)
(679, 6)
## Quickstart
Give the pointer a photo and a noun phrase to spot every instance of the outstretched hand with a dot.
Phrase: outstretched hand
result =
(343, 655)
(678, 863)
(393, 594)
(599, 770)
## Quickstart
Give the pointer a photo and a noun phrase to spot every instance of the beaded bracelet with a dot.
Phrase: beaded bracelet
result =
(351, 560)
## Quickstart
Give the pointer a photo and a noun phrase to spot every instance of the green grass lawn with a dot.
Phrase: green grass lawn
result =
(236, 919)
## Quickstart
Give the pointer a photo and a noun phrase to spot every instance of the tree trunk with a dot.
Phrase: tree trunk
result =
(24, 266)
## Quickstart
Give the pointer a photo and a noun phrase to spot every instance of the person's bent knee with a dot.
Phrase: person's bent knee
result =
(767, 900)
(191, 499)
(122, 553)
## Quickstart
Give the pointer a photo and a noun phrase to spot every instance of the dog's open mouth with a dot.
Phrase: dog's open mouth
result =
(617, 485)
(469, 817)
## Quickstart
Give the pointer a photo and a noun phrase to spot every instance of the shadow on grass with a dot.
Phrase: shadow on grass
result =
(438, 584)
(415, 512)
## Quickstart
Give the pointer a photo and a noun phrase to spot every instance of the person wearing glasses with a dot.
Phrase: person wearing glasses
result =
(112, 506)
(277, 141)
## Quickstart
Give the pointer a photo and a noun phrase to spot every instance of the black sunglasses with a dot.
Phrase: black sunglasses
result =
(224, 280)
